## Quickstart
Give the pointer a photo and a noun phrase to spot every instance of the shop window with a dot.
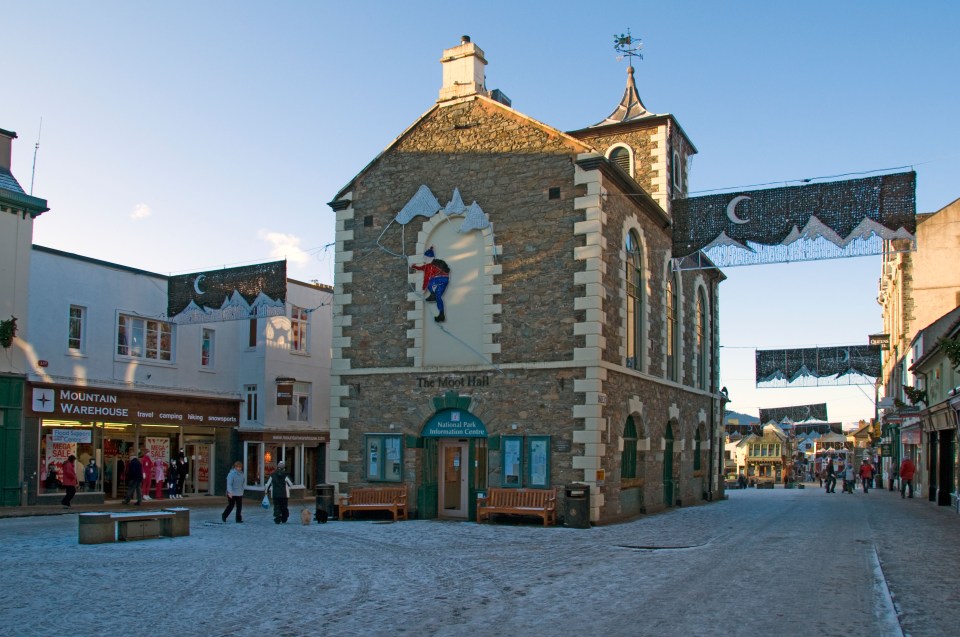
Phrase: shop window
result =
(299, 330)
(254, 465)
(207, 348)
(76, 329)
(144, 338)
(628, 459)
(252, 402)
(384, 458)
(299, 410)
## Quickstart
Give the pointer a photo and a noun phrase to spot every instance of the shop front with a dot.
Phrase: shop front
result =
(184, 437)
(304, 454)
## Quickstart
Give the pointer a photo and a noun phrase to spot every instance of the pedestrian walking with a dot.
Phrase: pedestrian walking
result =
(849, 477)
(69, 480)
(235, 484)
(831, 477)
(866, 475)
(90, 474)
(278, 488)
(907, 470)
(134, 479)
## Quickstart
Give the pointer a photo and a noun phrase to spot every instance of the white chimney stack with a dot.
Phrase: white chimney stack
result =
(463, 71)
(6, 148)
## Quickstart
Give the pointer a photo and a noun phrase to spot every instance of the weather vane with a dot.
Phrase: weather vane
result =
(627, 46)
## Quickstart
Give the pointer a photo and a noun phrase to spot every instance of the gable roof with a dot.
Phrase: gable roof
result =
(578, 145)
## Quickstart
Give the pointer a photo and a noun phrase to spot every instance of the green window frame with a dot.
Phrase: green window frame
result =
(538, 462)
(383, 457)
(511, 461)
(628, 459)
(525, 461)
(697, 464)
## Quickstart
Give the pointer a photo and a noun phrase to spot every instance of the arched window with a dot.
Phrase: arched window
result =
(621, 157)
(672, 331)
(701, 346)
(634, 279)
(628, 460)
(696, 451)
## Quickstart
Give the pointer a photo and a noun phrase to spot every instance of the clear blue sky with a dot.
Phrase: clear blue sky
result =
(183, 136)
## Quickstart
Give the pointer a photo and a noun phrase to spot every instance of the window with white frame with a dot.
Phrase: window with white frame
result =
(620, 155)
(144, 338)
(300, 409)
(252, 402)
(635, 289)
(207, 342)
(76, 329)
(299, 329)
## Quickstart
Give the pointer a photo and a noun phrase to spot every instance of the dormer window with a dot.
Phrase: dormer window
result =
(620, 155)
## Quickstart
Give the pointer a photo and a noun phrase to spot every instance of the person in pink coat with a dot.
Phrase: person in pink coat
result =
(69, 480)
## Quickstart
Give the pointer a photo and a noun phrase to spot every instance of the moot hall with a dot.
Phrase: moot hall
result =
(507, 312)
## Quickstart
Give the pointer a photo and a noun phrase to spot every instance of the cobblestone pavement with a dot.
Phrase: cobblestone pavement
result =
(767, 562)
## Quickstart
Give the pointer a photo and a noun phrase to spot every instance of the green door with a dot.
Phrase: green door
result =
(668, 484)
(428, 492)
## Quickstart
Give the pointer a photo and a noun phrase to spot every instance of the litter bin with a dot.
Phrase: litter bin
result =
(577, 499)
(324, 503)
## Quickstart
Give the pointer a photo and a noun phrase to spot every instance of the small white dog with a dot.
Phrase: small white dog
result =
(305, 517)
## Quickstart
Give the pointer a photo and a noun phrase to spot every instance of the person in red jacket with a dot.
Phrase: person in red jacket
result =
(907, 469)
(69, 480)
(866, 475)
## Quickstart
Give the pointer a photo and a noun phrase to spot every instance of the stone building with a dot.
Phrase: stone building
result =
(916, 288)
(564, 345)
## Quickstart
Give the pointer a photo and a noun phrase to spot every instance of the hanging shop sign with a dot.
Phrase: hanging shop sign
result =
(880, 340)
(454, 423)
(92, 404)
(285, 394)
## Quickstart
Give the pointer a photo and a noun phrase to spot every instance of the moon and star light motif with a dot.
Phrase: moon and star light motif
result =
(812, 221)
(846, 365)
(229, 294)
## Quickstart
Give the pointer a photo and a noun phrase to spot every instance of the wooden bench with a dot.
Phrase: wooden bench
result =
(534, 502)
(393, 499)
(102, 528)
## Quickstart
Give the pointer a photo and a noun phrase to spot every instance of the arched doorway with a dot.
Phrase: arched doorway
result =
(454, 464)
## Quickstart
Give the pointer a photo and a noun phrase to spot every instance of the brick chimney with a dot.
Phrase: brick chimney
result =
(463, 71)
(6, 148)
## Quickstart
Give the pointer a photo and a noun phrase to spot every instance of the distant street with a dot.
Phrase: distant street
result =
(762, 563)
